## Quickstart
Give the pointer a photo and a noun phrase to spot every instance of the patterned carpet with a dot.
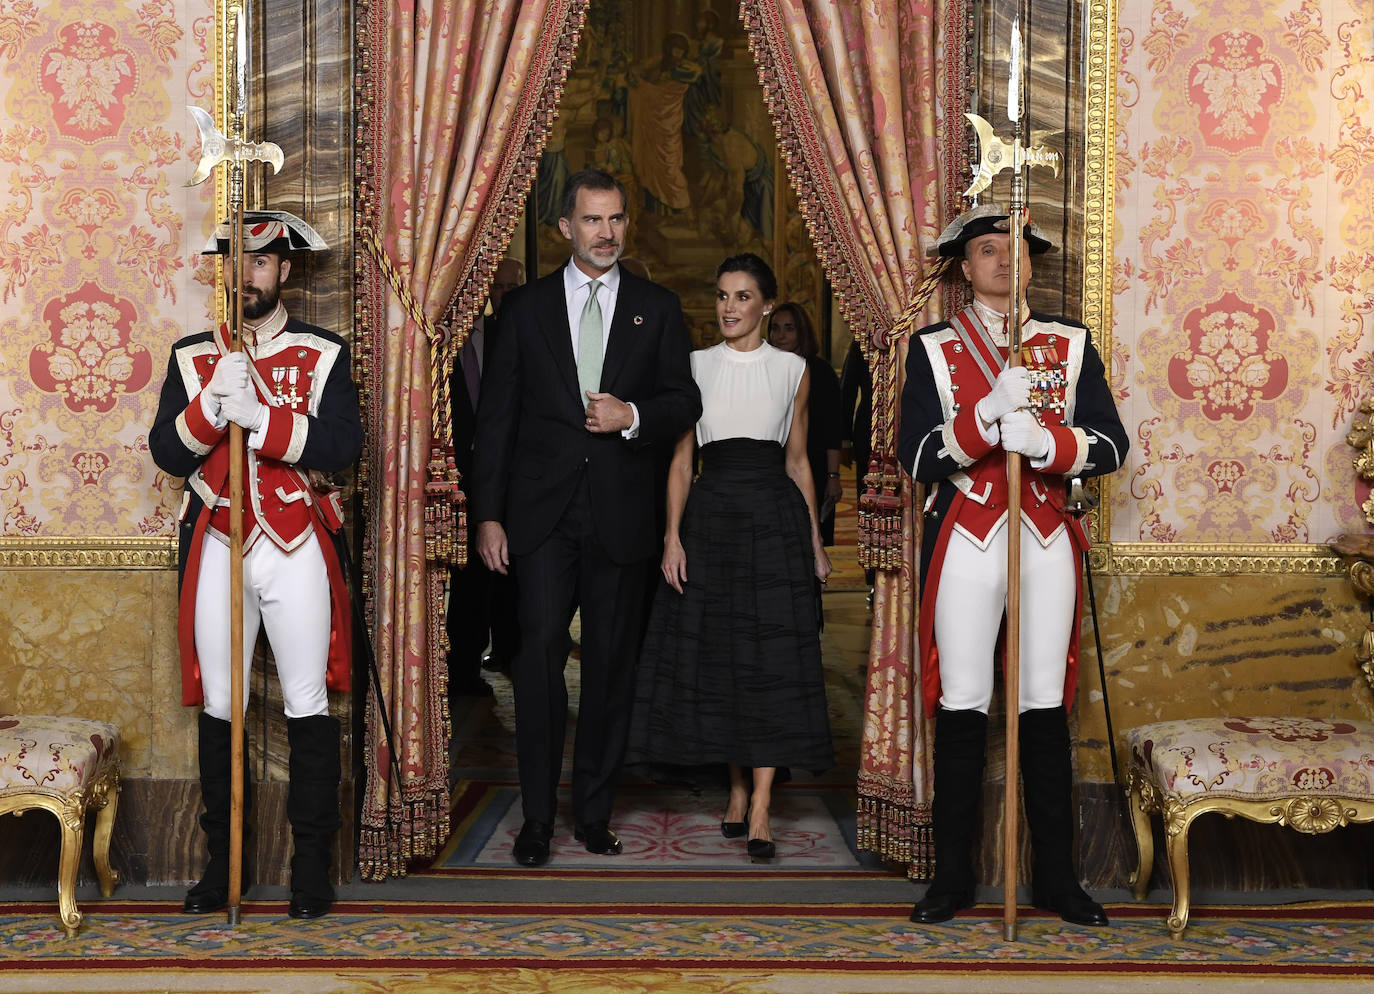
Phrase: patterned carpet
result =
(445, 946)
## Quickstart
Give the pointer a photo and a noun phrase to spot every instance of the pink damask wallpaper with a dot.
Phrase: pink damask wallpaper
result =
(1244, 267)
(98, 266)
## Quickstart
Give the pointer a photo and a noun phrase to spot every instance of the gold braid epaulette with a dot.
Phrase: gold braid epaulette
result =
(880, 505)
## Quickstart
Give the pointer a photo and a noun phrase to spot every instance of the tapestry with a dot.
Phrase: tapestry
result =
(1243, 272)
(99, 271)
(666, 98)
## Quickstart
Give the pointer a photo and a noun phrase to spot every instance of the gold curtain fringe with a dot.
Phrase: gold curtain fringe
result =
(415, 831)
(893, 826)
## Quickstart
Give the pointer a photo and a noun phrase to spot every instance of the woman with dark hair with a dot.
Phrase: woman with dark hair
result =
(730, 672)
(790, 329)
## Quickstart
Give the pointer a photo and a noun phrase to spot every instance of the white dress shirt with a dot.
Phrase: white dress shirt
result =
(576, 285)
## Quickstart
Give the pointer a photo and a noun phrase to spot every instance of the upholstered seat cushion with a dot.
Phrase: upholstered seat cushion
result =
(53, 755)
(1248, 758)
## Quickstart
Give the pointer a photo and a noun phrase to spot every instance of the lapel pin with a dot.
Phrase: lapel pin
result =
(639, 319)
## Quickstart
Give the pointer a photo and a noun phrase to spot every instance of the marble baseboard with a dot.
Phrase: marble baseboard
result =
(158, 840)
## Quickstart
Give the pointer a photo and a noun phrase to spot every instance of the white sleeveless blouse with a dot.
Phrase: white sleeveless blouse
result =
(746, 394)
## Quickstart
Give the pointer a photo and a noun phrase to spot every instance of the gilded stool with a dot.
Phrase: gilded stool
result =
(68, 766)
(1311, 774)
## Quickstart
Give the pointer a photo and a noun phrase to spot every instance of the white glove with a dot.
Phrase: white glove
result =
(1009, 391)
(230, 376)
(244, 408)
(1022, 432)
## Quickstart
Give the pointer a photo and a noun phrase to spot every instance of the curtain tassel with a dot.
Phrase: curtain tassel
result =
(880, 515)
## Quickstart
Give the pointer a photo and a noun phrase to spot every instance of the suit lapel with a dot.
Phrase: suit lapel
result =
(553, 323)
(628, 310)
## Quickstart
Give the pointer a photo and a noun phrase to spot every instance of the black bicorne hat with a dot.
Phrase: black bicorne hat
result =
(985, 219)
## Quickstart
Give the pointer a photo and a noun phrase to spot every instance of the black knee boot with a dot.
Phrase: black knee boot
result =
(960, 746)
(1047, 773)
(212, 892)
(312, 807)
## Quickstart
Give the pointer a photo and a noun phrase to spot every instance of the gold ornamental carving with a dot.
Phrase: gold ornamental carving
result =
(1357, 551)
(89, 553)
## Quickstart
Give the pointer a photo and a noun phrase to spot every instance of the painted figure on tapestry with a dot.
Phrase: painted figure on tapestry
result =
(658, 91)
(587, 379)
(730, 674)
(291, 389)
(964, 413)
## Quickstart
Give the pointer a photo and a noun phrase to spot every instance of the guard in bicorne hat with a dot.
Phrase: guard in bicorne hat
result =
(963, 411)
(291, 389)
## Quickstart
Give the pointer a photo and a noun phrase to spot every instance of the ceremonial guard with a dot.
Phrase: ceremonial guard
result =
(291, 390)
(963, 413)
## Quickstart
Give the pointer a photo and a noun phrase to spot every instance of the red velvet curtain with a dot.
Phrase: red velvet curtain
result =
(867, 100)
(455, 102)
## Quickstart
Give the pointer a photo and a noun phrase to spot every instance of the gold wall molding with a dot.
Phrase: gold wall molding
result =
(89, 553)
(1100, 231)
(1220, 559)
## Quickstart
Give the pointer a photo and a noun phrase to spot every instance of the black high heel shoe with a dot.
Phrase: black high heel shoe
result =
(762, 850)
(735, 829)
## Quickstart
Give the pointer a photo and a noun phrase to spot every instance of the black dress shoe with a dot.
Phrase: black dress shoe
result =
(306, 906)
(733, 829)
(935, 908)
(202, 902)
(598, 838)
(493, 663)
(1074, 906)
(476, 687)
(532, 844)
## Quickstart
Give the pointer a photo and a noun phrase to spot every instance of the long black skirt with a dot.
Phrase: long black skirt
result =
(731, 669)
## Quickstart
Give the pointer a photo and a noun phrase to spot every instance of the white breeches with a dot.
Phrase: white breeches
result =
(971, 601)
(288, 593)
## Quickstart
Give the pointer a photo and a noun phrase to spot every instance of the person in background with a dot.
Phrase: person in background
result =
(965, 413)
(856, 407)
(481, 603)
(730, 673)
(790, 329)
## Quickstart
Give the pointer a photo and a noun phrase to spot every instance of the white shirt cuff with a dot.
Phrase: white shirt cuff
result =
(633, 430)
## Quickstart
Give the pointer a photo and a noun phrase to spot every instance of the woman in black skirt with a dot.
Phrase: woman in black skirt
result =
(731, 670)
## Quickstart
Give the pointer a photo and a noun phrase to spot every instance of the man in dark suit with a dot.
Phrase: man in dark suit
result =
(589, 374)
(481, 603)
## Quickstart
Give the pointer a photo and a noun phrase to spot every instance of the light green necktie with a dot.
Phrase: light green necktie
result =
(590, 352)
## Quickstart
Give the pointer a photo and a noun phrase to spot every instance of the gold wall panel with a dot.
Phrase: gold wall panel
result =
(100, 644)
(1199, 646)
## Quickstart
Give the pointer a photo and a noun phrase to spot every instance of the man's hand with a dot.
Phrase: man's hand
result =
(1022, 432)
(491, 546)
(1009, 391)
(230, 376)
(606, 414)
(243, 408)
